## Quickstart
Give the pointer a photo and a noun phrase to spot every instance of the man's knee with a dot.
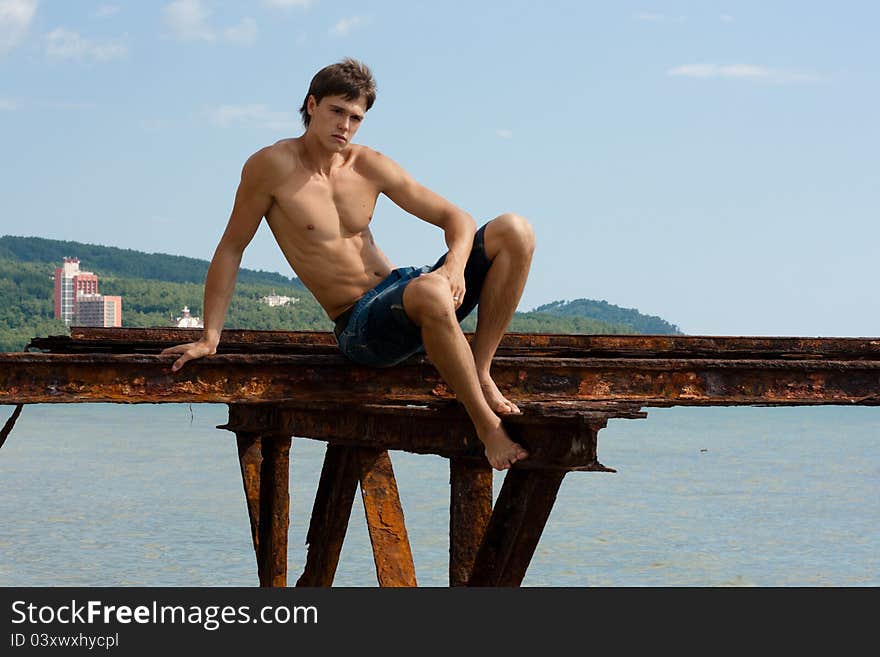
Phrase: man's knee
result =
(515, 233)
(428, 299)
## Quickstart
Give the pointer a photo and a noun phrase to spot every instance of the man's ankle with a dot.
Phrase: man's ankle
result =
(488, 426)
(483, 375)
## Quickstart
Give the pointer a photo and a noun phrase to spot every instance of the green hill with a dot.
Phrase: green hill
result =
(26, 305)
(127, 263)
(155, 287)
(606, 312)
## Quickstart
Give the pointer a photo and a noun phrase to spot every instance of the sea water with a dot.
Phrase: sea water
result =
(151, 495)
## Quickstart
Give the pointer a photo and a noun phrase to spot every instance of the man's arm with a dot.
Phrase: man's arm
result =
(252, 202)
(458, 226)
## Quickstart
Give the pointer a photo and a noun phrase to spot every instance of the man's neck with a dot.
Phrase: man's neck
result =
(318, 158)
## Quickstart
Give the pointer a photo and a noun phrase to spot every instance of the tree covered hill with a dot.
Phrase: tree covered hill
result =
(155, 288)
(127, 263)
(27, 305)
(606, 312)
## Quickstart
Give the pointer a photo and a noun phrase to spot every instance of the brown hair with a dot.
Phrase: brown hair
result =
(349, 78)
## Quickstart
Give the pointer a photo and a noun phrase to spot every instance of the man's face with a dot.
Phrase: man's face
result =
(335, 120)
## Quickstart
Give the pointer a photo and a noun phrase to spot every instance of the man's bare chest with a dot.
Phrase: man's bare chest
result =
(340, 206)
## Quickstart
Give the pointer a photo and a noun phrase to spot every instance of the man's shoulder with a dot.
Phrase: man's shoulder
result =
(281, 153)
(367, 154)
(271, 161)
(373, 163)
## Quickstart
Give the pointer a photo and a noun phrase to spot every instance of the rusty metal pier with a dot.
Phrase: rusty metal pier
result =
(280, 384)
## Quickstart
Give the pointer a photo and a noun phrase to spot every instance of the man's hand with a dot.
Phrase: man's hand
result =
(455, 276)
(190, 351)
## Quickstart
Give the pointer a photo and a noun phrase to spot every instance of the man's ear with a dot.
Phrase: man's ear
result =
(311, 104)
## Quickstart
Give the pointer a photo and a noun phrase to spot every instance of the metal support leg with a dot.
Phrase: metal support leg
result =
(391, 550)
(274, 510)
(520, 513)
(330, 515)
(470, 507)
(250, 457)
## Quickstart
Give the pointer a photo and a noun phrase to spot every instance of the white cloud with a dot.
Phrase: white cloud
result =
(287, 4)
(226, 116)
(694, 71)
(66, 44)
(344, 26)
(244, 33)
(726, 18)
(504, 133)
(7, 105)
(106, 10)
(188, 20)
(746, 71)
(740, 72)
(15, 19)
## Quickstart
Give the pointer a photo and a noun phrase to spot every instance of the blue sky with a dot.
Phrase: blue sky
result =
(713, 163)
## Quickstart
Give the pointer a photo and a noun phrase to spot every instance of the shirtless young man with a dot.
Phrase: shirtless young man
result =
(317, 193)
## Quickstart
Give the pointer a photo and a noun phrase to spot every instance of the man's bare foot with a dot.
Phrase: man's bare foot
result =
(497, 402)
(501, 451)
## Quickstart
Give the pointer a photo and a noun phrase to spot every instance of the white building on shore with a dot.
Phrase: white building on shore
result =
(276, 300)
(188, 321)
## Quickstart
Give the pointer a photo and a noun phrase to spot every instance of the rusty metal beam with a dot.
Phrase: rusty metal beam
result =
(470, 506)
(250, 459)
(238, 378)
(274, 510)
(516, 525)
(330, 515)
(391, 550)
(152, 340)
(564, 441)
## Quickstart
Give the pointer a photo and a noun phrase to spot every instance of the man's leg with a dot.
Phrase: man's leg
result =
(509, 244)
(427, 300)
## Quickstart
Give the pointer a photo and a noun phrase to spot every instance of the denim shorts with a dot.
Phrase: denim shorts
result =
(377, 332)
